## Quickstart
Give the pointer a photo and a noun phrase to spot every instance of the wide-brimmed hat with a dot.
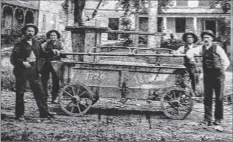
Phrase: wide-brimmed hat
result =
(208, 32)
(30, 25)
(53, 31)
(184, 37)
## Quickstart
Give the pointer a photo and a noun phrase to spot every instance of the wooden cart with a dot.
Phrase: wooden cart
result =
(86, 82)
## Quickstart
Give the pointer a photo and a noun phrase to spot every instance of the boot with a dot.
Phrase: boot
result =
(48, 115)
(54, 101)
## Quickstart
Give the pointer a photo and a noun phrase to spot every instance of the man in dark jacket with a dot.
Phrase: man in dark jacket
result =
(51, 52)
(24, 57)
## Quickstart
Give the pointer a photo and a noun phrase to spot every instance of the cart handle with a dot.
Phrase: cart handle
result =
(131, 50)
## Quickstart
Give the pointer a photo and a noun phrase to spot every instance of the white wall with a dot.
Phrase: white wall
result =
(193, 3)
(51, 9)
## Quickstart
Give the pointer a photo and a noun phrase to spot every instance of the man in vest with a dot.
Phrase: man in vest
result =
(51, 52)
(190, 39)
(215, 63)
(24, 58)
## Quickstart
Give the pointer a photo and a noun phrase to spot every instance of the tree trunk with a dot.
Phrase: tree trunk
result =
(78, 11)
(152, 23)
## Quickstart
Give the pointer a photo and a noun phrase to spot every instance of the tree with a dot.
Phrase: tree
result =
(150, 7)
(225, 4)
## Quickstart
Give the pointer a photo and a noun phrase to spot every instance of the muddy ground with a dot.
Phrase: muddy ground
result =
(109, 120)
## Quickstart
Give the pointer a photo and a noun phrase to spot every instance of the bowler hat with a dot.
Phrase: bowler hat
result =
(208, 32)
(184, 37)
(29, 25)
(53, 31)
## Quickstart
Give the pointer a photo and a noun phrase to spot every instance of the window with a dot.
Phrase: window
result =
(204, 2)
(143, 26)
(210, 24)
(182, 2)
(113, 24)
(180, 25)
(160, 24)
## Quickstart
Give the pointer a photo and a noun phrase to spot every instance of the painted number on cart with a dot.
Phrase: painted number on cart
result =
(94, 76)
(143, 78)
(139, 78)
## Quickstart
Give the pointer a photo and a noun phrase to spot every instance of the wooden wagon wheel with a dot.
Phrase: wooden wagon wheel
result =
(75, 99)
(176, 102)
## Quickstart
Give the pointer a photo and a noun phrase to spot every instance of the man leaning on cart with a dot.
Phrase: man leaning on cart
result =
(215, 63)
(190, 40)
(51, 52)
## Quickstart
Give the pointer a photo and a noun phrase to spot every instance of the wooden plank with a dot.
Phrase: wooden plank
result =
(132, 32)
(99, 65)
(122, 54)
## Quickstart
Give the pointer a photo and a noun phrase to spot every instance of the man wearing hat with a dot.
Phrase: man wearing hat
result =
(51, 52)
(24, 58)
(215, 63)
(190, 39)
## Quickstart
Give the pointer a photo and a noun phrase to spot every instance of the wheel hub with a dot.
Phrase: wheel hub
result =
(76, 99)
(175, 103)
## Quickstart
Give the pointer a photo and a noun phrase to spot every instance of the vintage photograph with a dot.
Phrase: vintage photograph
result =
(116, 70)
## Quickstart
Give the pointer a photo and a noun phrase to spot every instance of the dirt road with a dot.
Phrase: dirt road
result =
(109, 120)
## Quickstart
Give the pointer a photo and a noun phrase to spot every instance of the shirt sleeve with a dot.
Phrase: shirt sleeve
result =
(43, 53)
(194, 52)
(223, 57)
(62, 46)
(179, 50)
(43, 45)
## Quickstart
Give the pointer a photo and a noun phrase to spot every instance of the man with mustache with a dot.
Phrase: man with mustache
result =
(24, 58)
(215, 63)
(190, 39)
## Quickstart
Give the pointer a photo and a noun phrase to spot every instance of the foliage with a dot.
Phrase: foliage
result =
(65, 6)
(13, 36)
(126, 26)
(7, 79)
(173, 44)
(41, 38)
(130, 6)
(213, 3)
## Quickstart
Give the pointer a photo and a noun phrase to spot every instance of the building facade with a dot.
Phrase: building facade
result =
(179, 17)
(15, 14)
(47, 15)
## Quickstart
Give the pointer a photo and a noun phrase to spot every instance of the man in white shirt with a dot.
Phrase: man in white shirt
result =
(190, 40)
(215, 63)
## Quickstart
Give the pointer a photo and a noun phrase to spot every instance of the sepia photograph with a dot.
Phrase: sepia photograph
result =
(116, 70)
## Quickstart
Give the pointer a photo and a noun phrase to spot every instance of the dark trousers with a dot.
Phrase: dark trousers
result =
(30, 75)
(213, 82)
(45, 74)
(194, 77)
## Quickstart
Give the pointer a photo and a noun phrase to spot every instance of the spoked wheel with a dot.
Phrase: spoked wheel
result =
(177, 102)
(75, 99)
